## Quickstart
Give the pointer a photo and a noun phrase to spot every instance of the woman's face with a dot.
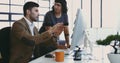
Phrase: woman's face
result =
(57, 7)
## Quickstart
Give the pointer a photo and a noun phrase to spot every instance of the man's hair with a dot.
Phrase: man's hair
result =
(64, 5)
(29, 6)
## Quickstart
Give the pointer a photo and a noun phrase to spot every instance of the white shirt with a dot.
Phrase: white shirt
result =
(31, 26)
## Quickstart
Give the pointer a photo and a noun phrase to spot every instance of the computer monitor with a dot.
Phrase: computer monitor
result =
(78, 30)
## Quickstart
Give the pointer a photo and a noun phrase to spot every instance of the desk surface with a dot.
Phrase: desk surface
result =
(67, 59)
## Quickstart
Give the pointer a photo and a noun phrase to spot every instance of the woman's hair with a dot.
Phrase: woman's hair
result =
(64, 5)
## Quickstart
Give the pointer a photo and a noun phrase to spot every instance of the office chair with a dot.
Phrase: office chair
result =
(5, 44)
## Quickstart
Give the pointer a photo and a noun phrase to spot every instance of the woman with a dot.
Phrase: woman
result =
(57, 15)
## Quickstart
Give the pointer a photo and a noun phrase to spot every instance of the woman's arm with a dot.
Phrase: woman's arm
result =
(66, 34)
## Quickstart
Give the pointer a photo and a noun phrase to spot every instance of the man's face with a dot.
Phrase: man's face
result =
(34, 14)
(57, 7)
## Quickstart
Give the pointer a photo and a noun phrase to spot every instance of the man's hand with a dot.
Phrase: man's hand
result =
(57, 29)
(68, 45)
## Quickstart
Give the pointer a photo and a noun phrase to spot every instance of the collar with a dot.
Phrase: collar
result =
(28, 22)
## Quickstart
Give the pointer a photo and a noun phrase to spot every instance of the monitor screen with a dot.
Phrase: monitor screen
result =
(78, 30)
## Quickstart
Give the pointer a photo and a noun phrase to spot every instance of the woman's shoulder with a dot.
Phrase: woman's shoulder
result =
(49, 13)
(65, 14)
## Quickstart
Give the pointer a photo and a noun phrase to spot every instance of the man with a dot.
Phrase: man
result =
(25, 36)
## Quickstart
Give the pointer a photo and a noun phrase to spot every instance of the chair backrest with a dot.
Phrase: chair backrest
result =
(5, 43)
(5, 35)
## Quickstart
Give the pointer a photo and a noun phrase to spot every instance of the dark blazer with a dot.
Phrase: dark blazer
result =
(23, 43)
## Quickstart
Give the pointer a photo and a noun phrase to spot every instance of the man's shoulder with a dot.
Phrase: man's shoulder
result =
(20, 21)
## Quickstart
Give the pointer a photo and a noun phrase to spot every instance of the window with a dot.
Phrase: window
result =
(18, 2)
(16, 17)
(86, 11)
(43, 10)
(3, 17)
(96, 13)
(4, 1)
(4, 8)
(17, 9)
(31, 0)
(4, 24)
(111, 13)
(12, 10)
(43, 3)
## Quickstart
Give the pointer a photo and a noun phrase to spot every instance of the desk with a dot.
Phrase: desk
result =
(67, 59)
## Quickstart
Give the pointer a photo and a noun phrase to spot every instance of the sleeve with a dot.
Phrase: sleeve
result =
(47, 21)
(19, 31)
(66, 23)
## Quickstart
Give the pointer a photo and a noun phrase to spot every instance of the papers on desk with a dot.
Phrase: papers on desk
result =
(68, 51)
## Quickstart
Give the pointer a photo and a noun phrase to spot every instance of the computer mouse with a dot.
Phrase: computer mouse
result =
(49, 56)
